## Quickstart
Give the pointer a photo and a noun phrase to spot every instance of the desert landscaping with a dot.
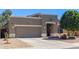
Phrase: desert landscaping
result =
(14, 43)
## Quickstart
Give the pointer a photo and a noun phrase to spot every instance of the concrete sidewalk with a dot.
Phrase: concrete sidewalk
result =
(48, 44)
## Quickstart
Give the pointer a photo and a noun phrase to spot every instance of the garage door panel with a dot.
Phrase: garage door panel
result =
(28, 32)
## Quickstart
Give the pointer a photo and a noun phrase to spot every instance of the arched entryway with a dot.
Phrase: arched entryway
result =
(51, 28)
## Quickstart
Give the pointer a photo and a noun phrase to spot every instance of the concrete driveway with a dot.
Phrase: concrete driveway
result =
(47, 44)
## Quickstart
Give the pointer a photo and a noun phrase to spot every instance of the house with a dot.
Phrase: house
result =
(36, 25)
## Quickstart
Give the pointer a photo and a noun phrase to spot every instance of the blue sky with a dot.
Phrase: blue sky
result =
(25, 12)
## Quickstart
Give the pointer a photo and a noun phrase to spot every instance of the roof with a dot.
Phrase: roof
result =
(46, 15)
(25, 17)
(42, 14)
(37, 16)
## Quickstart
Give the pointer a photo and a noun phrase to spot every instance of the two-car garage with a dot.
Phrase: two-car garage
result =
(28, 31)
(25, 27)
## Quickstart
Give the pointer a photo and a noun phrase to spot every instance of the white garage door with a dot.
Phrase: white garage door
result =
(29, 32)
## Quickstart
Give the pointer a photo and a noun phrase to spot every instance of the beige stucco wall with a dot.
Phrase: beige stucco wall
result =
(22, 30)
(26, 20)
(19, 26)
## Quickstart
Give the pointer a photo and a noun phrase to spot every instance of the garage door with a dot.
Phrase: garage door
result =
(29, 32)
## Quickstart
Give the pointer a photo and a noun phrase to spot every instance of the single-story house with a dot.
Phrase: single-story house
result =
(36, 25)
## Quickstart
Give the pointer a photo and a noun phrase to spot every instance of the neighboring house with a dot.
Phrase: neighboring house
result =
(35, 25)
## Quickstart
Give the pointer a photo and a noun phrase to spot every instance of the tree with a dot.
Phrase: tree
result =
(0, 21)
(6, 18)
(70, 21)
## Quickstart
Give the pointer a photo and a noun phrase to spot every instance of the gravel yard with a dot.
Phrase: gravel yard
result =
(14, 43)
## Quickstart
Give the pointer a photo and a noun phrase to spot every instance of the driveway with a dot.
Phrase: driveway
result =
(48, 44)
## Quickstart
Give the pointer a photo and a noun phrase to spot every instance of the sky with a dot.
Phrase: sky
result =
(25, 12)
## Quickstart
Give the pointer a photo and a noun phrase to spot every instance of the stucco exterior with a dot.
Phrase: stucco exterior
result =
(33, 25)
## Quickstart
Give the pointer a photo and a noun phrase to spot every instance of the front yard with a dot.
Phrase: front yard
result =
(14, 43)
(38, 43)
